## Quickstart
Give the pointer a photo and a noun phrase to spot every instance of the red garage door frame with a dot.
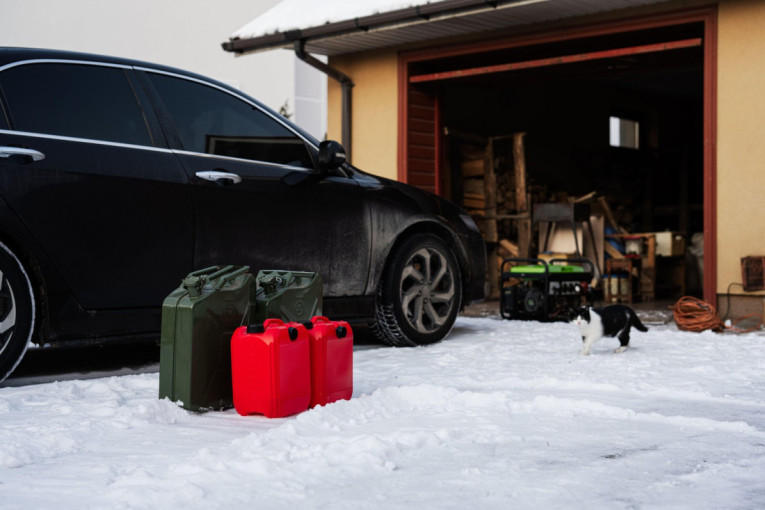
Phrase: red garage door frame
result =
(420, 131)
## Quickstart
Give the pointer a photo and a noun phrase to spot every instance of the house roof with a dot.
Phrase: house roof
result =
(334, 27)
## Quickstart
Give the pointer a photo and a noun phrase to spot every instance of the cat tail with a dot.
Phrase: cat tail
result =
(638, 325)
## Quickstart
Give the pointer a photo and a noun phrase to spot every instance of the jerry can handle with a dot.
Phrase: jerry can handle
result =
(199, 272)
(272, 322)
(319, 318)
(195, 280)
(214, 275)
(228, 277)
(291, 330)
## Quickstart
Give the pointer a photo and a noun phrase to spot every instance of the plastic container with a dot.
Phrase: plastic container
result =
(331, 360)
(271, 369)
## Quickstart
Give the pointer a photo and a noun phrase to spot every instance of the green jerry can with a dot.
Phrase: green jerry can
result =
(292, 296)
(198, 319)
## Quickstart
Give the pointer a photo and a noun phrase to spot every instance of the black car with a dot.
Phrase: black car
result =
(118, 178)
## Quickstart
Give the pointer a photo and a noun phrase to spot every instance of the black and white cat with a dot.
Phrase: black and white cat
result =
(613, 321)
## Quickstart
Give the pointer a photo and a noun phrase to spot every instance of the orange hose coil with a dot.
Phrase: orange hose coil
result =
(692, 314)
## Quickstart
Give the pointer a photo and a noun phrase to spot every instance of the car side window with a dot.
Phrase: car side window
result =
(77, 100)
(212, 121)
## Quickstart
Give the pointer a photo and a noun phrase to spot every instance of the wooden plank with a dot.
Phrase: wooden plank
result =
(521, 195)
(472, 168)
(473, 203)
(613, 251)
(422, 152)
(422, 166)
(490, 191)
(522, 216)
(422, 126)
(421, 139)
(421, 112)
(648, 270)
(609, 214)
(420, 98)
(473, 186)
(421, 179)
(552, 61)
(492, 269)
(584, 198)
(510, 248)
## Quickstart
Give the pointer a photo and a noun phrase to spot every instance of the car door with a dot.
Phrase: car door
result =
(259, 199)
(94, 182)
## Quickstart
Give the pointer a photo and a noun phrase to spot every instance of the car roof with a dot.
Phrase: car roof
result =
(8, 55)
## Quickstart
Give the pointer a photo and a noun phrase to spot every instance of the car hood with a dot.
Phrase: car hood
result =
(413, 199)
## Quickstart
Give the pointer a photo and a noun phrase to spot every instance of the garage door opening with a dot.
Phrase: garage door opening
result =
(615, 121)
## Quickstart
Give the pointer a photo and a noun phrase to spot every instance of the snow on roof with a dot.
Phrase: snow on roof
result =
(300, 14)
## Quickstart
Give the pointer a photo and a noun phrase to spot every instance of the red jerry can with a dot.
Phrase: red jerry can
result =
(270, 368)
(331, 360)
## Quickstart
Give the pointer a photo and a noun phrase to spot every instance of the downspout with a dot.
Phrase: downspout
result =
(346, 85)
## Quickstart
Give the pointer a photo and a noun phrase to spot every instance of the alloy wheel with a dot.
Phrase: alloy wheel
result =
(427, 290)
(7, 312)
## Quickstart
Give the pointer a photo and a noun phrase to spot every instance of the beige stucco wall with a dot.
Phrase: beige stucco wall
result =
(374, 131)
(740, 137)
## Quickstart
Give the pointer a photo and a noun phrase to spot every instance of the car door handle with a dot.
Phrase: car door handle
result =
(21, 155)
(222, 178)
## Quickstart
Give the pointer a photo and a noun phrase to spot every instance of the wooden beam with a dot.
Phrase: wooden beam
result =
(551, 61)
(490, 192)
(521, 196)
(510, 247)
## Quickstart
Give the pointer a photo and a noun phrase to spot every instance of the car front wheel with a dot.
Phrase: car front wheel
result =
(419, 296)
(17, 311)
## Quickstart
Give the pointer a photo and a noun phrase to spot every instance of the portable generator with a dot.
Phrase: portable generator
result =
(535, 289)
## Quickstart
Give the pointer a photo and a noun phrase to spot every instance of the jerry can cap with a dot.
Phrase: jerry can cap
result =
(271, 282)
(256, 328)
(194, 284)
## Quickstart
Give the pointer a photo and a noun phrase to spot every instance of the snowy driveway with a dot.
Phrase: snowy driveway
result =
(502, 414)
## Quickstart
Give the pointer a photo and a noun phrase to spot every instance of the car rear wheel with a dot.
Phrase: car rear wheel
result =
(419, 296)
(17, 311)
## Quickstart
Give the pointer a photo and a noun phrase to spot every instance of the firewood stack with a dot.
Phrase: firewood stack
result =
(473, 186)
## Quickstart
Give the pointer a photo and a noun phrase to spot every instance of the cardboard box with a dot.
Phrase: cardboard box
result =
(669, 244)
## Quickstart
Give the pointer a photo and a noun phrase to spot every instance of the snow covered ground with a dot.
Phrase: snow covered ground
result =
(502, 414)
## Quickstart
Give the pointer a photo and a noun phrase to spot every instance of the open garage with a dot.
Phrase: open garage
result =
(612, 118)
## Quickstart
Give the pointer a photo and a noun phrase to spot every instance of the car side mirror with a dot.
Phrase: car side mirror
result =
(331, 155)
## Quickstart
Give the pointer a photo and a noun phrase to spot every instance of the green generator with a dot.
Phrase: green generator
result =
(534, 289)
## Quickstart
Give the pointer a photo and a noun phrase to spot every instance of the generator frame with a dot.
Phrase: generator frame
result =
(547, 292)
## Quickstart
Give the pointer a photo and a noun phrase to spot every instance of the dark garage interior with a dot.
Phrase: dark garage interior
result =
(614, 121)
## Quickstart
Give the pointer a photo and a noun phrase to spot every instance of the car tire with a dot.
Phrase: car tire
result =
(420, 293)
(17, 311)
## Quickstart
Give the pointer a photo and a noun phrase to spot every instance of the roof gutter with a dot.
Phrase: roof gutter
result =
(417, 14)
(346, 85)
